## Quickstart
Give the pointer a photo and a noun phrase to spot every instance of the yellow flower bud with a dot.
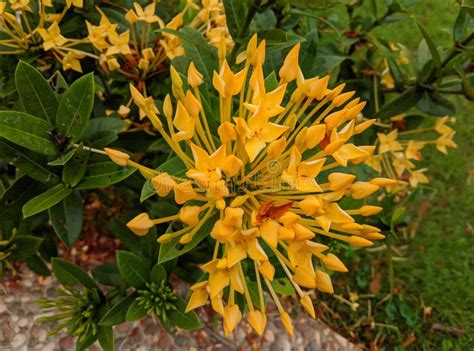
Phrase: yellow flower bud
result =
(335, 119)
(318, 87)
(314, 135)
(311, 205)
(338, 181)
(258, 57)
(374, 236)
(323, 282)
(168, 107)
(189, 214)
(304, 278)
(307, 304)
(361, 190)
(163, 184)
(194, 76)
(232, 317)
(193, 106)
(286, 320)
(131, 17)
(333, 263)
(290, 69)
(184, 192)
(119, 157)
(342, 98)
(358, 241)
(232, 165)
(383, 181)
(352, 112)
(364, 125)
(257, 320)
(199, 296)
(239, 201)
(267, 270)
(141, 224)
(369, 210)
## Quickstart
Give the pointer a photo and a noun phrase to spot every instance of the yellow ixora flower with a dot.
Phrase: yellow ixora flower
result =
(267, 184)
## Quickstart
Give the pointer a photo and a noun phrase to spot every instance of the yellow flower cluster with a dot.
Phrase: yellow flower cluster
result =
(136, 53)
(397, 152)
(269, 182)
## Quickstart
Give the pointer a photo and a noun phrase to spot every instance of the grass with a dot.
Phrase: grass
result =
(434, 285)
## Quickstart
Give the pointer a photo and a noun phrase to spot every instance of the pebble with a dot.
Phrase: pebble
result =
(66, 343)
(18, 340)
(3, 307)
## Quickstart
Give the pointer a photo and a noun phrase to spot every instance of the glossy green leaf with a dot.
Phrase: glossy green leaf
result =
(37, 265)
(27, 131)
(75, 107)
(460, 26)
(431, 45)
(283, 287)
(135, 312)
(435, 104)
(69, 274)
(67, 217)
(25, 246)
(28, 162)
(158, 274)
(107, 274)
(135, 269)
(102, 174)
(46, 200)
(75, 168)
(174, 249)
(35, 93)
(400, 104)
(12, 201)
(117, 313)
(126, 236)
(187, 321)
(62, 159)
(105, 335)
(236, 14)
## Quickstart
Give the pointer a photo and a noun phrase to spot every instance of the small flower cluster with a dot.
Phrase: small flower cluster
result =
(271, 184)
(397, 153)
(137, 53)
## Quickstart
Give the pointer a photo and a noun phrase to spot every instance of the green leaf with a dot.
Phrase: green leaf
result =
(25, 246)
(46, 200)
(236, 14)
(400, 104)
(69, 274)
(436, 105)
(431, 45)
(35, 93)
(102, 174)
(135, 312)
(460, 26)
(117, 313)
(126, 236)
(319, 4)
(107, 274)
(28, 131)
(105, 335)
(37, 265)
(75, 168)
(67, 218)
(158, 274)
(75, 107)
(62, 159)
(283, 287)
(22, 190)
(173, 249)
(134, 269)
(28, 162)
(187, 321)
(198, 51)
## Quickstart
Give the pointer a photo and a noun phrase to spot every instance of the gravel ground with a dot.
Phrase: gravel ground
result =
(18, 332)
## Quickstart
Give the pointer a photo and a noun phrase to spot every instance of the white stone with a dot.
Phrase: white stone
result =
(18, 340)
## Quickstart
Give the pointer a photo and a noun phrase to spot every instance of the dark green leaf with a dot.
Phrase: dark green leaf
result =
(28, 131)
(69, 274)
(173, 249)
(28, 162)
(431, 45)
(135, 312)
(460, 25)
(117, 313)
(126, 237)
(107, 274)
(25, 246)
(37, 265)
(158, 274)
(434, 104)
(401, 103)
(134, 269)
(105, 335)
(102, 174)
(75, 168)
(75, 107)
(67, 217)
(236, 14)
(15, 197)
(35, 93)
(187, 321)
(46, 200)
(62, 159)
